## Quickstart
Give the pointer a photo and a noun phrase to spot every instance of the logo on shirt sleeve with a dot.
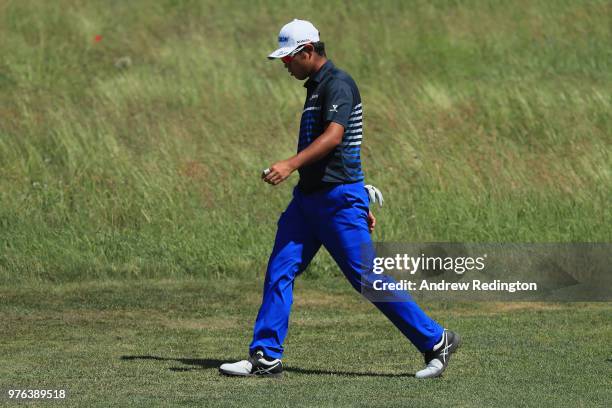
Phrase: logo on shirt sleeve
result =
(334, 108)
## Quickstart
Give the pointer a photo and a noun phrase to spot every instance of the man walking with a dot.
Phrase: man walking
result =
(330, 207)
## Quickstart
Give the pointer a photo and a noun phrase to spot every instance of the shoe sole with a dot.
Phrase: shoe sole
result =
(232, 374)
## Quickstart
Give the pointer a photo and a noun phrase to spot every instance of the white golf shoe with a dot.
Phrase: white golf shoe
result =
(437, 359)
(256, 365)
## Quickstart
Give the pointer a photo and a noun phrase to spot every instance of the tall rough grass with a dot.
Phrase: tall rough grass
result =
(484, 121)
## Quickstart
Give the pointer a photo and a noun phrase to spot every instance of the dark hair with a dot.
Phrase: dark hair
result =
(319, 48)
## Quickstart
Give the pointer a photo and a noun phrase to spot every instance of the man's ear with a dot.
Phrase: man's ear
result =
(309, 48)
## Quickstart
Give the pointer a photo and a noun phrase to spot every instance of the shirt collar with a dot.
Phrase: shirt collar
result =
(319, 75)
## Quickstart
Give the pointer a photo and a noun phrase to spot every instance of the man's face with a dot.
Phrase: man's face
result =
(300, 64)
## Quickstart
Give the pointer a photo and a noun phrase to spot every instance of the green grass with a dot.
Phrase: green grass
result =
(159, 343)
(485, 121)
(134, 228)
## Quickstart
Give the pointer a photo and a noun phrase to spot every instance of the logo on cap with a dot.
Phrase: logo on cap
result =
(294, 34)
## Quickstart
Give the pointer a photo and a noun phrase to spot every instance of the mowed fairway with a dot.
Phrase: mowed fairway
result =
(159, 343)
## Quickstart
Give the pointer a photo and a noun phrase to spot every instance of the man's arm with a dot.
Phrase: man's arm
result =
(318, 149)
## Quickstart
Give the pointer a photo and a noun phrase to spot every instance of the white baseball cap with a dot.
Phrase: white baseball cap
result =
(293, 35)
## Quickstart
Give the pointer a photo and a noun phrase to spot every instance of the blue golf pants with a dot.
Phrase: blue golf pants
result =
(336, 218)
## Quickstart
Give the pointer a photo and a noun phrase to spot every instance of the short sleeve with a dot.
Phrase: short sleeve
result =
(338, 102)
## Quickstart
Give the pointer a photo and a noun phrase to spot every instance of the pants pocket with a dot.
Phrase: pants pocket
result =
(355, 196)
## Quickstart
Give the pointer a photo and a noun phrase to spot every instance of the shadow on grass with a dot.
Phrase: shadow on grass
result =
(202, 364)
